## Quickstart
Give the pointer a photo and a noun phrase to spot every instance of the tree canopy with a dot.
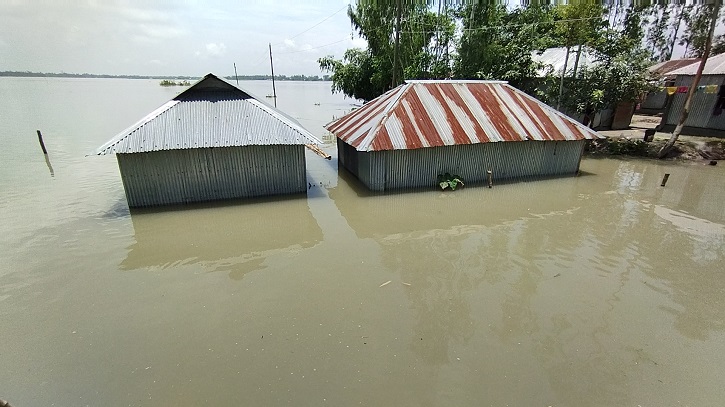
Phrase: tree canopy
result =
(492, 40)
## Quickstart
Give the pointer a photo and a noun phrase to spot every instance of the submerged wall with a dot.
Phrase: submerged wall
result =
(385, 170)
(206, 174)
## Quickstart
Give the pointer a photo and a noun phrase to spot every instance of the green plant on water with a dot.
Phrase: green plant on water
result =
(451, 181)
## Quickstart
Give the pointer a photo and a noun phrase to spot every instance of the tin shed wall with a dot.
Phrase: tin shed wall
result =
(703, 104)
(655, 101)
(511, 160)
(206, 174)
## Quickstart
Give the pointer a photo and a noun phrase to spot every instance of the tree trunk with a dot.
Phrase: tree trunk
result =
(693, 87)
(576, 61)
(674, 37)
(396, 51)
(561, 82)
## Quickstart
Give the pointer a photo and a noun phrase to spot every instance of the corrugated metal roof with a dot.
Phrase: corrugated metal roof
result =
(714, 66)
(211, 113)
(421, 114)
(553, 60)
(663, 68)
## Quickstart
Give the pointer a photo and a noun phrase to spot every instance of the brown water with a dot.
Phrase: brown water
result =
(599, 290)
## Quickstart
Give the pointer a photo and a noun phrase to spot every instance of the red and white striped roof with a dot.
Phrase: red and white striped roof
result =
(422, 114)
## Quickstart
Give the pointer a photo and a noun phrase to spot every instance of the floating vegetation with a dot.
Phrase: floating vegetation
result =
(449, 181)
(166, 82)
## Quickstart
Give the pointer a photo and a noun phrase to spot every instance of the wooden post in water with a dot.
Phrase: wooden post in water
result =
(42, 145)
(490, 178)
(664, 179)
(271, 64)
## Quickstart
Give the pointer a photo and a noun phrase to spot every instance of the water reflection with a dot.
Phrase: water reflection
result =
(233, 236)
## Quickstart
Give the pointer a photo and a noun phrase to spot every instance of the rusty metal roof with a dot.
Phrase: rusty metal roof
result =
(714, 66)
(211, 113)
(663, 68)
(422, 114)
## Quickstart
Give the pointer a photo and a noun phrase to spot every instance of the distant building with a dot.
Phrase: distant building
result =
(706, 112)
(553, 60)
(656, 101)
(411, 134)
(212, 141)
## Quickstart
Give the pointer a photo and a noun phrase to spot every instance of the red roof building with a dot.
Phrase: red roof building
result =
(411, 134)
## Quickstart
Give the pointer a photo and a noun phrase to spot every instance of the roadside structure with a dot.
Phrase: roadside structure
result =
(213, 141)
(410, 135)
(656, 101)
(706, 113)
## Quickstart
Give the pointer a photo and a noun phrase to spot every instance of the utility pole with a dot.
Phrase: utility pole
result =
(693, 86)
(274, 90)
(396, 51)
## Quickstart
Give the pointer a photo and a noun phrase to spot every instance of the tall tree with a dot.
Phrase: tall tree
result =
(497, 43)
(417, 31)
(697, 23)
(715, 9)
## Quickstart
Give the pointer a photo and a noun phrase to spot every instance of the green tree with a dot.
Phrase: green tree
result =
(497, 42)
(423, 37)
(697, 23)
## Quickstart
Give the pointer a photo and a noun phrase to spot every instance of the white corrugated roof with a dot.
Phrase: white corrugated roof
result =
(211, 113)
(553, 59)
(715, 66)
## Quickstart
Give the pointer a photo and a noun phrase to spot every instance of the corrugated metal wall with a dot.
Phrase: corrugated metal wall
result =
(703, 104)
(510, 160)
(655, 101)
(205, 174)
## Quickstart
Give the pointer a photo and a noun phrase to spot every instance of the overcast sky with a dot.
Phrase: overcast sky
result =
(184, 37)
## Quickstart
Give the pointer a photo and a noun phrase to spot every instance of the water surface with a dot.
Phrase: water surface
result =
(601, 289)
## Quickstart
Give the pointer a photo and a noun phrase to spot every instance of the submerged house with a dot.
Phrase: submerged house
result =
(706, 112)
(213, 141)
(421, 129)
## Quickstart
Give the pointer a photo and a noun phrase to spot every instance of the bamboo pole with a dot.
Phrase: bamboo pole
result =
(42, 144)
(274, 90)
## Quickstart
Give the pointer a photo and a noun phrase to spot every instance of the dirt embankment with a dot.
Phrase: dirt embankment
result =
(683, 150)
(631, 142)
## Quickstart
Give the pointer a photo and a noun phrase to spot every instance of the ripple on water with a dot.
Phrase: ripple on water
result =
(690, 224)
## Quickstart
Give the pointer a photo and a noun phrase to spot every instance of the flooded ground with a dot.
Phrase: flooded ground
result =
(598, 290)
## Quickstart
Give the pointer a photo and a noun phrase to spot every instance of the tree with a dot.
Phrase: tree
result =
(697, 23)
(715, 9)
(497, 43)
(421, 35)
(358, 75)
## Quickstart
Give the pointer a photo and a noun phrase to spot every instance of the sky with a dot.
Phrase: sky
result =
(170, 37)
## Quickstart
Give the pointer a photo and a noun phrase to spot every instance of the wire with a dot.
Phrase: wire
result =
(310, 49)
(499, 27)
(325, 19)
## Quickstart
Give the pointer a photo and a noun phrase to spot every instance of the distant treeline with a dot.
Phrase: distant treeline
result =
(28, 74)
(280, 78)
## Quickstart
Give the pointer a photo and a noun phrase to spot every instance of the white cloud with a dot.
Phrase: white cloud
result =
(289, 43)
(216, 50)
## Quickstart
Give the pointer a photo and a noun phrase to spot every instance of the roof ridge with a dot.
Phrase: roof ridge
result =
(384, 115)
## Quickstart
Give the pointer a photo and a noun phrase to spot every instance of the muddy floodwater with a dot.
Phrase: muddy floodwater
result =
(598, 290)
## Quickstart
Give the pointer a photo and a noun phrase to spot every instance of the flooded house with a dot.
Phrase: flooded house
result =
(706, 116)
(410, 135)
(213, 141)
